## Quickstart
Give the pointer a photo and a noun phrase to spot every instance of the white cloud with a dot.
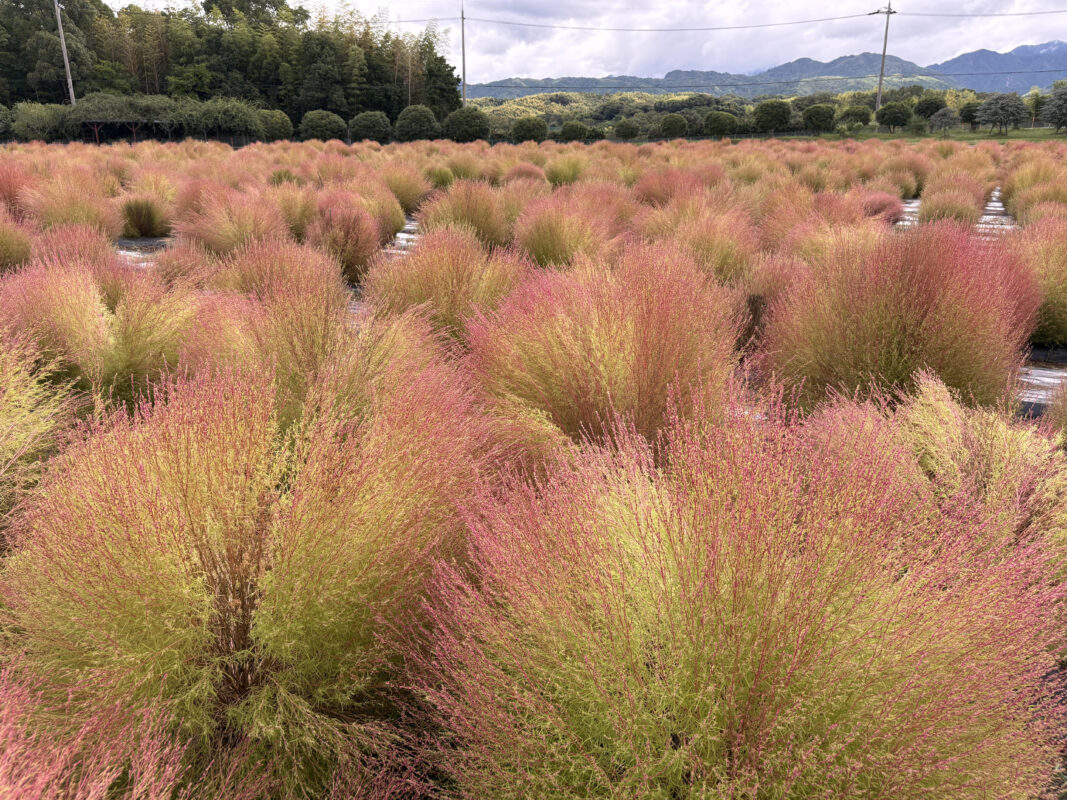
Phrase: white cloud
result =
(497, 51)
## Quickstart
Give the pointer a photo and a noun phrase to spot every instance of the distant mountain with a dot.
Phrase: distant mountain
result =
(806, 76)
(1028, 61)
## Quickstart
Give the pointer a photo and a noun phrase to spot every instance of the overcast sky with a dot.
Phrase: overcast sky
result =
(501, 51)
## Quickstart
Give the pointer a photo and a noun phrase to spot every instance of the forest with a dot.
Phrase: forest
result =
(264, 52)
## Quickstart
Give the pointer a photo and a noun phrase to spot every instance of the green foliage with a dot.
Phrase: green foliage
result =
(39, 121)
(276, 125)
(819, 118)
(267, 54)
(6, 118)
(969, 113)
(529, 129)
(673, 125)
(371, 126)
(772, 115)
(573, 131)
(414, 123)
(228, 118)
(893, 115)
(929, 105)
(720, 123)
(1002, 111)
(1055, 111)
(466, 125)
(626, 129)
(855, 116)
(944, 119)
(322, 125)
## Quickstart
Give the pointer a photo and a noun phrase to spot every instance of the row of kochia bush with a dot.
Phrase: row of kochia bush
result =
(698, 480)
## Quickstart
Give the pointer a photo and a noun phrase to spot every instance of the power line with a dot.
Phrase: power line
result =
(663, 30)
(991, 14)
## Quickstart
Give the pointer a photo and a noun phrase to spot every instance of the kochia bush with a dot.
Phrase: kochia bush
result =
(775, 613)
(871, 317)
(193, 555)
(580, 346)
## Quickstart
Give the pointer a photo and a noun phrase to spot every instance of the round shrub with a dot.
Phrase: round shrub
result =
(110, 330)
(772, 115)
(819, 118)
(673, 125)
(145, 216)
(626, 129)
(553, 232)
(414, 123)
(192, 555)
(579, 346)
(777, 612)
(346, 229)
(469, 204)
(324, 125)
(1043, 245)
(450, 273)
(468, 124)
(227, 220)
(529, 129)
(720, 123)
(15, 247)
(408, 185)
(872, 317)
(33, 414)
(950, 204)
(573, 131)
(371, 126)
(277, 125)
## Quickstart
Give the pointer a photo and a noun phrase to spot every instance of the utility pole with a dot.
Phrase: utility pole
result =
(63, 45)
(409, 75)
(463, 46)
(888, 11)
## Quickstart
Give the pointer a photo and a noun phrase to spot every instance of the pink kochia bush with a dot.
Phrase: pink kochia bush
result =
(579, 346)
(781, 611)
(871, 316)
(194, 557)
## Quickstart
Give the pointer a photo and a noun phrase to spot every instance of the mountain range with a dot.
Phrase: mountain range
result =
(982, 70)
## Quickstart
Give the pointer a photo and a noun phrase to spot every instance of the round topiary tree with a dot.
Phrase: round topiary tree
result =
(468, 124)
(893, 115)
(414, 123)
(529, 129)
(929, 105)
(322, 125)
(371, 126)
(857, 116)
(720, 123)
(673, 125)
(819, 118)
(772, 115)
(626, 129)
(276, 124)
(573, 131)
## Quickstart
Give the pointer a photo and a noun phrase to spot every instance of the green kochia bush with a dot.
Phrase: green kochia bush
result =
(780, 611)
(194, 555)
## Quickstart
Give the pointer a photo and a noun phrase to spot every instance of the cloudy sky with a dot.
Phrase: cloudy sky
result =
(496, 51)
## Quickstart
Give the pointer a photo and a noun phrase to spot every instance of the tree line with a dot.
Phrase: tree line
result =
(262, 52)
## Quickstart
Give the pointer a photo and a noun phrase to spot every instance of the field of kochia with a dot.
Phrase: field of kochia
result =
(665, 472)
